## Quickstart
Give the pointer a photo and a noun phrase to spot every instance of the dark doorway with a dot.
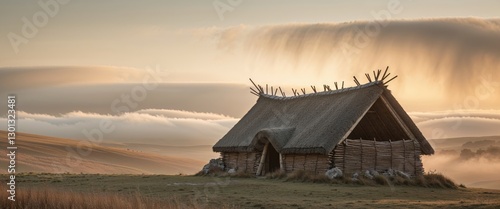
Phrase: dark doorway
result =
(272, 160)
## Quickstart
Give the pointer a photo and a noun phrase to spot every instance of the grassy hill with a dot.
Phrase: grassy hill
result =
(58, 155)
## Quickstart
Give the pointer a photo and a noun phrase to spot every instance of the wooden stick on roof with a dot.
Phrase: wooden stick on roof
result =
(254, 91)
(388, 74)
(342, 84)
(267, 88)
(356, 80)
(303, 90)
(336, 86)
(385, 72)
(390, 80)
(313, 88)
(282, 93)
(275, 91)
(254, 84)
(368, 77)
(261, 89)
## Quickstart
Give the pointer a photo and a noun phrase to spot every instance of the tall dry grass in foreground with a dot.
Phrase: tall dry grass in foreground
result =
(51, 198)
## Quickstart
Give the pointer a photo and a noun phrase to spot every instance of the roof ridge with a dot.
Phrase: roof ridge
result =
(328, 92)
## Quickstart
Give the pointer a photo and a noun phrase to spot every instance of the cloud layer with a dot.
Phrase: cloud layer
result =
(147, 127)
(458, 123)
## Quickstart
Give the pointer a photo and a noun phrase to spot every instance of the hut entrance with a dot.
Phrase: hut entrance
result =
(269, 161)
(272, 161)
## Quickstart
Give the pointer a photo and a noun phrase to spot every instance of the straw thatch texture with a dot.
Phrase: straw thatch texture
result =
(316, 123)
(355, 155)
(317, 120)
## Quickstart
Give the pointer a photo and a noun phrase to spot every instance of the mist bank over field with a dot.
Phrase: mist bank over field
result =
(473, 161)
(145, 127)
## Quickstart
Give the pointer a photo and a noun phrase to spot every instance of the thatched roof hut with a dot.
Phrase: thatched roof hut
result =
(309, 131)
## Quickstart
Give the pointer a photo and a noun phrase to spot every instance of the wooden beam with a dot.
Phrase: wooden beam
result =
(398, 119)
(356, 123)
(282, 163)
(262, 159)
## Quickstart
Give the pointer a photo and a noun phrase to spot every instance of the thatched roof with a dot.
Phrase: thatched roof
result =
(311, 123)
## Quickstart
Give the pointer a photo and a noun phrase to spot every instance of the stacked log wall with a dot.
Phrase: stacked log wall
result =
(356, 155)
(315, 163)
(246, 162)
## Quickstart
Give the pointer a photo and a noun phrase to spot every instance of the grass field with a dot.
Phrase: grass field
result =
(161, 191)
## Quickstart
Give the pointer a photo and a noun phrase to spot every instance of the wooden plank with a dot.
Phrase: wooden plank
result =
(398, 119)
(282, 164)
(262, 159)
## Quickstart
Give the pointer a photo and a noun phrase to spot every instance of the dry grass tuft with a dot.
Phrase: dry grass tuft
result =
(426, 180)
(50, 198)
(279, 174)
(435, 180)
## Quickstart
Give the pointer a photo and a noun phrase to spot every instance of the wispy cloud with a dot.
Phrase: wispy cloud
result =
(454, 54)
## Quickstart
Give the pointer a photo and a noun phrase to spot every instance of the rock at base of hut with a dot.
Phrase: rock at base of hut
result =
(213, 165)
(355, 176)
(403, 174)
(333, 173)
(231, 171)
(368, 175)
(389, 173)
